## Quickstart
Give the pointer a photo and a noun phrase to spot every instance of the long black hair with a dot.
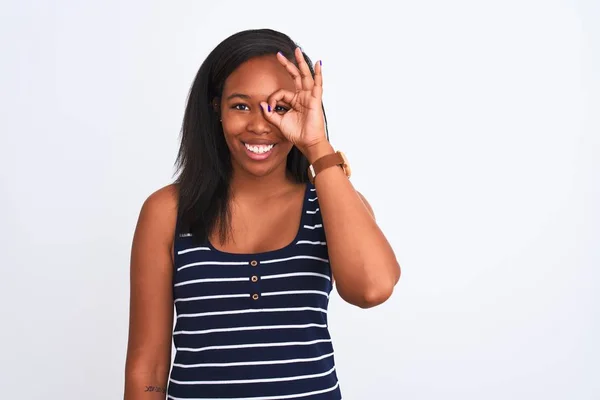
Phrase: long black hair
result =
(203, 162)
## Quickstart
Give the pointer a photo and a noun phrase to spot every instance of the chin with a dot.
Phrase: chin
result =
(261, 159)
(258, 172)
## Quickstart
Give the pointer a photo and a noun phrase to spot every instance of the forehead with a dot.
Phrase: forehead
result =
(259, 76)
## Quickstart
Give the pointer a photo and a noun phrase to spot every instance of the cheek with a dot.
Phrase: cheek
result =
(233, 125)
(286, 146)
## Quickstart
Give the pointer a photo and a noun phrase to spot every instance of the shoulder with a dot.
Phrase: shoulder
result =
(163, 200)
(366, 203)
(159, 212)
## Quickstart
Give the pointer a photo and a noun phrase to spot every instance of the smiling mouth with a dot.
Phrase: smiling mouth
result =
(259, 148)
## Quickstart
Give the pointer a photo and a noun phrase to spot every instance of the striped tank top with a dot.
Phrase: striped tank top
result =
(254, 326)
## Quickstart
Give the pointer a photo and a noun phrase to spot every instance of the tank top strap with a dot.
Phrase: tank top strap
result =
(311, 224)
(184, 241)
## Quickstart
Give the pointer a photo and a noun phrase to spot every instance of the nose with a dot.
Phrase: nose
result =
(258, 124)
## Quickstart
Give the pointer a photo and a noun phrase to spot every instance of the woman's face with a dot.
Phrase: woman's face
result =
(257, 147)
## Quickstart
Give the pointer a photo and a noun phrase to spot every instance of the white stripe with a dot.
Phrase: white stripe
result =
(251, 310)
(211, 280)
(309, 242)
(193, 249)
(212, 263)
(295, 274)
(281, 397)
(244, 363)
(263, 380)
(313, 226)
(313, 199)
(250, 328)
(294, 258)
(313, 190)
(217, 296)
(312, 212)
(253, 345)
(296, 292)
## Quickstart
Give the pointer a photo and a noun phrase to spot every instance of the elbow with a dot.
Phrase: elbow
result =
(398, 273)
(367, 298)
(373, 298)
(380, 294)
(372, 295)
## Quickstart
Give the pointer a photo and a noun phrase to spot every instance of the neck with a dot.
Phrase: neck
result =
(245, 184)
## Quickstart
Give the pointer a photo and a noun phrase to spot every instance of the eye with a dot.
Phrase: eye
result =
(239, 107)
(281, 109)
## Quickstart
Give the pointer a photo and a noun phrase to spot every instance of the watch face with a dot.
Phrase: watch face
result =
(346, 165)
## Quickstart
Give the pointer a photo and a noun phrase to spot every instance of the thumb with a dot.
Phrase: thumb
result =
(270, 114)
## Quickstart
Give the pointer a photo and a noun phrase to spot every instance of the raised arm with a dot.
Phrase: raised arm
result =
(362, 261)
(151, 299)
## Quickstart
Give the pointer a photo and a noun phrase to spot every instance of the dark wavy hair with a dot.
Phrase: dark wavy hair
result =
(203, 165)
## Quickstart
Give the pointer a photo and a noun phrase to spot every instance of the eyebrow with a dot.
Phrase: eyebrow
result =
(240, 95)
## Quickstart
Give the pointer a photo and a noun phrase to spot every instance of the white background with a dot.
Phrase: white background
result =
(472, 128)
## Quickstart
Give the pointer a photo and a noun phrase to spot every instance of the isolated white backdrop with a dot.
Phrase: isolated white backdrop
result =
(472, 129)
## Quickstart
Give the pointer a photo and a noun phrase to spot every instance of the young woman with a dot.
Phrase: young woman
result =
(247, 243)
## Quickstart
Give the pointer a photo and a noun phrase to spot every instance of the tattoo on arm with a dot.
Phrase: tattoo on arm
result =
(155, 389)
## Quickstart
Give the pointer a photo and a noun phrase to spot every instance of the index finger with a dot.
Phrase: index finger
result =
(291, 68)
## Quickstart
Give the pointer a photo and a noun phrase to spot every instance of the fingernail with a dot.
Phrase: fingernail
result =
(320, 62)
(269, 108)
(280, 53)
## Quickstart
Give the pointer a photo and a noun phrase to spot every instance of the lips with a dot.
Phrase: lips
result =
(259, 150)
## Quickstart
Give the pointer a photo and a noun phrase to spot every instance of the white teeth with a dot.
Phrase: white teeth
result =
(259, 149)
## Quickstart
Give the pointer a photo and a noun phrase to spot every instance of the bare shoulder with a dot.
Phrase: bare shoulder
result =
(163, 201)
(366, 203)
(159, 210)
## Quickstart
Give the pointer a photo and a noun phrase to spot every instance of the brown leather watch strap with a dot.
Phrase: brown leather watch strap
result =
(325, 162)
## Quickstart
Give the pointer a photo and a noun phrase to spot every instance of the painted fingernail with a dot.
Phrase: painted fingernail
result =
(269, 108)
(320, 62)
(280, 53)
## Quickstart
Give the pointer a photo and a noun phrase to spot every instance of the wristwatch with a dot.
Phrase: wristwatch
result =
(330, 160)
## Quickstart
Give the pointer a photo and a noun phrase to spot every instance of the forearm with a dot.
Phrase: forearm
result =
(362, 261)
(146, 385)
